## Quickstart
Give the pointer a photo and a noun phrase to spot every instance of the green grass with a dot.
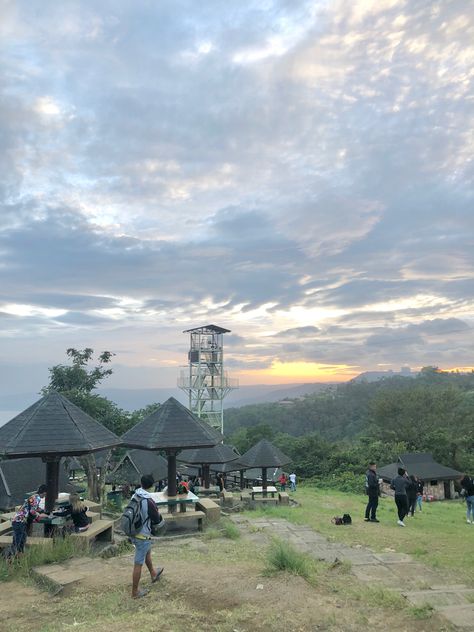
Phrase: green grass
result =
(21, 566)
(436, 536)
(281, 556)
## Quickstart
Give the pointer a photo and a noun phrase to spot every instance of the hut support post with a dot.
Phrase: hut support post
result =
(206, 475)
(264, 481)
(171, 455)
(52, 482)
(242, 484)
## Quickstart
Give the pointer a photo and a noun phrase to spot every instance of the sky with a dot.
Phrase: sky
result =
(298, 172)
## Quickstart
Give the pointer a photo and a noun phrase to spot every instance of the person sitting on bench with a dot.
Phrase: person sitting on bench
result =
(78, 512)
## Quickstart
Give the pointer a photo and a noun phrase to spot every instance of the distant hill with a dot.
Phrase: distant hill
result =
(373, 376)
(135, 398)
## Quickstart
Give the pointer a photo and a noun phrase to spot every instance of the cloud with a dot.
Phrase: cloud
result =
(294, 167)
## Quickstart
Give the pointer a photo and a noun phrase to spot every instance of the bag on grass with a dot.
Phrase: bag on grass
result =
(337, 520)
(131, 520)
(346, 519)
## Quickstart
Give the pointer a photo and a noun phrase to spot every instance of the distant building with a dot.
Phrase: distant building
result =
(438, 479)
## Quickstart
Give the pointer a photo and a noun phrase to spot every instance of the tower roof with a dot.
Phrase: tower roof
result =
(208, 329)
(172, 426)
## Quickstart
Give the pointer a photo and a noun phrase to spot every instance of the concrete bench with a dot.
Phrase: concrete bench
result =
(181, 519)
(102, 530)
(283, 498)
(7, 540)
(6, 517)
(227, 498)
(210, 508)
(5, 527)
(94, 507)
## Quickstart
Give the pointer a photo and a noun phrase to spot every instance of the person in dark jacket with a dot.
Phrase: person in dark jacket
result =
(419, 492)
(411, 495)
(467, 483)
(372, 491)
(77, 510)
(400, 484)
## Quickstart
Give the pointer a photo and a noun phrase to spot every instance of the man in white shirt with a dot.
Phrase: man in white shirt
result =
(292, 478)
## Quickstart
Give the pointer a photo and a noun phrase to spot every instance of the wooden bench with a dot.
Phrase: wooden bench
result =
(284, 498)
(102, 530)
(181, 519)
(7, 540)
(210, 508)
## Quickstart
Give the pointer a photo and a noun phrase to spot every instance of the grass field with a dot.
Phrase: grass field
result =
(438, 536)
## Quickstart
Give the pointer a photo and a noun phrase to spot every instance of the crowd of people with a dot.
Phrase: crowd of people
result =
(408, 494)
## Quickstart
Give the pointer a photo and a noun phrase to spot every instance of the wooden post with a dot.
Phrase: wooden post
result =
(242, 484)
(264, 482)
(52, 482)
(206, 475)
(171, 455)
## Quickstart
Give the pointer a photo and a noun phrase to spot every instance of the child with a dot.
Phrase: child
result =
(78, 512)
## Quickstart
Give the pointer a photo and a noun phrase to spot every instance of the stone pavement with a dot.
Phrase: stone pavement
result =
(419, 584)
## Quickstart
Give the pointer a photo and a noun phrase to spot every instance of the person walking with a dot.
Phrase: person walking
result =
(400, 484)
(372, 491)
(292, 478)
(142, 541)
(411, 495)
(28, 513)
(419, 493)
(282, 481)
(467, 483)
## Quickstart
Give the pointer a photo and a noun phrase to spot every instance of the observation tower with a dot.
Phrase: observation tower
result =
(205, 380)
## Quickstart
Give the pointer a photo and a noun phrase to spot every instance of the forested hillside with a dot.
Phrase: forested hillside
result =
(333, 434)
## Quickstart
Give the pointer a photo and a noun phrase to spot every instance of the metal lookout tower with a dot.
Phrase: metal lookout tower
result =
(205, 380)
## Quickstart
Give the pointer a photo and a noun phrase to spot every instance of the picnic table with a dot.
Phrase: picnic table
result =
(270, 490)
(182, 500)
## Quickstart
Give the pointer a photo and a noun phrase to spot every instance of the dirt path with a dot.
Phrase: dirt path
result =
(215, 585)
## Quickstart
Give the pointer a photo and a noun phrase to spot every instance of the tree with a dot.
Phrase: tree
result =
(77, 382)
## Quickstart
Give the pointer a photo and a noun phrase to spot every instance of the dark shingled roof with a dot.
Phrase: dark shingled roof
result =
(264, 454)
(172, 426)
(20, 476)
(420, 464)
(54, 426)
(219, 453)
(205, 328)
(135, 464)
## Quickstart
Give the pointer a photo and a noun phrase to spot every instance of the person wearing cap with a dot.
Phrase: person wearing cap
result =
(29, 512)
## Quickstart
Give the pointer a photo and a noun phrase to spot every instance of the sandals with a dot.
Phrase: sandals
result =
(141, 593)
(159, 571)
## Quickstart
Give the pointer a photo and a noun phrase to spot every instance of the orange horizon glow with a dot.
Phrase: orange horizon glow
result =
(295, 372)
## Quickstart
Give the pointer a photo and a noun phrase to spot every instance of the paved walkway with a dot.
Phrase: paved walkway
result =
(421, 585)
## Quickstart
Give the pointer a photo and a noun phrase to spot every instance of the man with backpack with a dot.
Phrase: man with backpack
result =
(142, 513)
(372, 491)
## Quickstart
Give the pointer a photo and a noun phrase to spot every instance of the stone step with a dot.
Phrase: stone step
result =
(439, 598)
(461, 616)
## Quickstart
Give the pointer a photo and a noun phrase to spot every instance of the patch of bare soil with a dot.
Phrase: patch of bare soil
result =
(199, 595)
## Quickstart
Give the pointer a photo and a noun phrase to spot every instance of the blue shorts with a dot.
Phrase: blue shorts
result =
(141, 549)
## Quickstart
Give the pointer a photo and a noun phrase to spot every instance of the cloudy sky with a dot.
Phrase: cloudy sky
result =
(299, 172)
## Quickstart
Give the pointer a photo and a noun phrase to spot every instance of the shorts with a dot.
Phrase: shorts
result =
(141, 549)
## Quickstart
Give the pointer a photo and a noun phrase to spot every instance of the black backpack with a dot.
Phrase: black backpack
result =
(131, 521)
(346, 519)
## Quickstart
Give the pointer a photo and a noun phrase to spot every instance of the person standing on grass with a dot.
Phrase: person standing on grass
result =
(142, 541)
(467, 483)
(372, 491)
(293, 482)
(282, 481)
(28, 513)
(411, 495)
(419, 492)
(400, 484)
